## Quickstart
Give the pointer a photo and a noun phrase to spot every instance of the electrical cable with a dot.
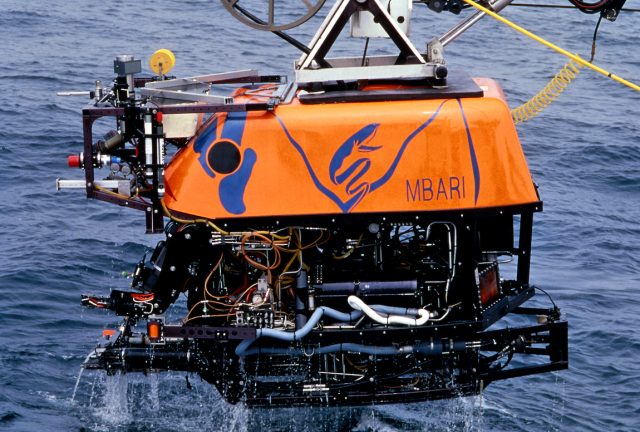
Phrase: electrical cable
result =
(555, 88)
(593, 43)
(364, 54)
(547, 95)
(192, 221)
(206, 281)
(350, 249)
(547, 294)
(556, 48)
(561, 80)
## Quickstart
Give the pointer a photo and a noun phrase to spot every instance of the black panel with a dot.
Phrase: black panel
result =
(459, 85)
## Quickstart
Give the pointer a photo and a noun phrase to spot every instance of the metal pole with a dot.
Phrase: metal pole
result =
(463, 26)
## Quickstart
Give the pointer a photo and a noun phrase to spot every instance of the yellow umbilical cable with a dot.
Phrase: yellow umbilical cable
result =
(547, 95)
(191, 221)
(562, 79)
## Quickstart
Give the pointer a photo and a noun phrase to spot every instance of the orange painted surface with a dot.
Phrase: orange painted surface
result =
(398, 156)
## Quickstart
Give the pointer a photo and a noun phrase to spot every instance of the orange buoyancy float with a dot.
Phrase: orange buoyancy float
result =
(354, 157)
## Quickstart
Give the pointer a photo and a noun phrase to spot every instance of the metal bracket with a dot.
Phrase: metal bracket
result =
(314, 67)
(435, 51)
(122, 187)
(464, 25)
(196, 88)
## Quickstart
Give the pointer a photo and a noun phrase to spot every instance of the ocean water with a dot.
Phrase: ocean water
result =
(583, 152)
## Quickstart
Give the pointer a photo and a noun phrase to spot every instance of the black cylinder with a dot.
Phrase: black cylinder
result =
(366, 288)
(301, 290)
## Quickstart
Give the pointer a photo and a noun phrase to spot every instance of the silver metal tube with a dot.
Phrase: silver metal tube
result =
(148, 145)
(82, 184)
(73, 93)
(463, 26)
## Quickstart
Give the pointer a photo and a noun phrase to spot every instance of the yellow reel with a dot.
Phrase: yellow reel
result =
(162, 61)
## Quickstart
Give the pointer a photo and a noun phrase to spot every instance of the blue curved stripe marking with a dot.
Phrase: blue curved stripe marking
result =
(233, 186)
(342, 205)
(203, 140)
(385, 178)
(472, 152)
(233, 128)
(206, 137)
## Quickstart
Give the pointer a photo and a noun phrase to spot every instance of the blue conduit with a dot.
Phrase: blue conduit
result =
(241, 349)
(305, 330)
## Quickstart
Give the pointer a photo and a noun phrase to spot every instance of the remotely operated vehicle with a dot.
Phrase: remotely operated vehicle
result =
(360, 234)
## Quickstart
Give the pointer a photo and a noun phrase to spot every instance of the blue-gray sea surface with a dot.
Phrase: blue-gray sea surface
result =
(583, 152)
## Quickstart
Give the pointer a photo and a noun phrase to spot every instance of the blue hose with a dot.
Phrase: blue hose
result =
(311, 323)
(300, 333)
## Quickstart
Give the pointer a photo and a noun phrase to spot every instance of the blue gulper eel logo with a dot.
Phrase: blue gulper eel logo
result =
(350, 177)
(352, 174)
(347, 169)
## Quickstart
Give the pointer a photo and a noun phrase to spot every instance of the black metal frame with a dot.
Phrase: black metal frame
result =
(406, 51)
(153, 210)
(185, 348)
(208, 349)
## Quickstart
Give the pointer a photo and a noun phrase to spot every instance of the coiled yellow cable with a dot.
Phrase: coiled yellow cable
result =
(547, 95)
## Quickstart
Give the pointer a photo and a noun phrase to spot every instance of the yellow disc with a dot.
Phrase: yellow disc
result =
(162, 61)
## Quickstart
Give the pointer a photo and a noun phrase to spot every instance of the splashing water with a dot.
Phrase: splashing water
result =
(115, 409)
(75, 387)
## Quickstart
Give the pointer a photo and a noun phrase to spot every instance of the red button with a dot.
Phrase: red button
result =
(74, 161)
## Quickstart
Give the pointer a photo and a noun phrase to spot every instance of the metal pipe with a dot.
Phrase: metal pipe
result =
(299, 333)
(81, 184)
(425, 348)
(395, 318)
(359, 305)
(464, 25)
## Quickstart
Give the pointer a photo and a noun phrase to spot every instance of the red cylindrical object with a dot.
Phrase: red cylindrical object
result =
(74, 161)
(159, 116)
